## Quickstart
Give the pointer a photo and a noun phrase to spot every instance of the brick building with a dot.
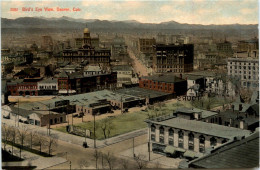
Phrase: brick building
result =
(164, 83)
(23, 87)
(78, 83)
(173, 58)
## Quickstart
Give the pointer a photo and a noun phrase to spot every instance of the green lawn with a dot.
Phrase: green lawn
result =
(133, 121)
(127, 122)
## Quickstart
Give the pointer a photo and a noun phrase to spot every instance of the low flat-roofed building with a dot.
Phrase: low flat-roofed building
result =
(97, 102)
(34, 117)
(172, 135)
(238, 154)
(151, 96)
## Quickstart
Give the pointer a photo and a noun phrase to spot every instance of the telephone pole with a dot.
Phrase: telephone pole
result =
(49, 119)
(94, 130)
(18, 113)
(134, 147)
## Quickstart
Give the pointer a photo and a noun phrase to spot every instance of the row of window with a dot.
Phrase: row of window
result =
(213, 140)
(242, 63)
(244, 67)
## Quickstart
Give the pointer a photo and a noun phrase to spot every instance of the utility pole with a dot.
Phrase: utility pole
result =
(149, 142)
(121, 105)
(134, 147)
(18, 113)
(68, 115)
(94, 130)
(49, 119)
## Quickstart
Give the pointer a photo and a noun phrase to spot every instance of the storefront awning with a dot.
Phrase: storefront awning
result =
(169, 149)
(67, 91)
(192, 154)
(172, 149)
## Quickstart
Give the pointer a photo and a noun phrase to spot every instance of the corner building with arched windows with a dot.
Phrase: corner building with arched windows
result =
(175, 136)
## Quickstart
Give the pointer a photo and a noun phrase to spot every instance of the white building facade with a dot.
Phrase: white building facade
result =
(246, 69)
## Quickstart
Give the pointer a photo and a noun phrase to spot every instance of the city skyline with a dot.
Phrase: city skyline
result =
(216, 12)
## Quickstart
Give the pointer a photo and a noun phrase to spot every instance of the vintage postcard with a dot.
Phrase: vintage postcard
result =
(118, 84)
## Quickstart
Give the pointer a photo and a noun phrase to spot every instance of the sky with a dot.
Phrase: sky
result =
(154, 11)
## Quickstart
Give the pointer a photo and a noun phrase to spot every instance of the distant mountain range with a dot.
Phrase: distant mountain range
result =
(71, 23)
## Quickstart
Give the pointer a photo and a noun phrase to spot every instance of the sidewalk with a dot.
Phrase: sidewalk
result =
(33, 159)
(77, 139)
(162, 160)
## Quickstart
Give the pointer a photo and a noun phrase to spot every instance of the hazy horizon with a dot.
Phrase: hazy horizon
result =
(216, 12)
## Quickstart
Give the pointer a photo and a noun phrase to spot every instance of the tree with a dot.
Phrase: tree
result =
(107, 126)
(141, 163)
(110, 159)
(39, 141)
(22, 135)
(125, 163)
(5, 134)
(30, 138)
(13, 137)
(83, 163)
(96, 156)
(51, 142)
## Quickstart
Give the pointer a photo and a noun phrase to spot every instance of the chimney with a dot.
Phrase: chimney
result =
(240, 107)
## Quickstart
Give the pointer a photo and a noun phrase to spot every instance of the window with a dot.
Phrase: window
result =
(224, 141)
(161, 139)
(213, 141)
(153, 137)
(171, 132)
(170, 141)
(202, 139)
(153, 128)
(191, 147)
(191, 137)
(180, 133)
(180, 144)
(161, 130)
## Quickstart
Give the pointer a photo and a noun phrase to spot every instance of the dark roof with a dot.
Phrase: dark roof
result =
(164, 78)
(76, 75)
(49, 80)
(255, 107)
(239, 154)
(141, 92)
(122, 68)
(3, 85)
(63, 74)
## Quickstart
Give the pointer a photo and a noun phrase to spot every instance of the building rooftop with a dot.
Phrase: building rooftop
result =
(84, 99)
(122, 68)
(49, 80)
(141, 92)
(92, 68)
(164, 78)
(203, 127)
(204, 113)
(239, 154)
